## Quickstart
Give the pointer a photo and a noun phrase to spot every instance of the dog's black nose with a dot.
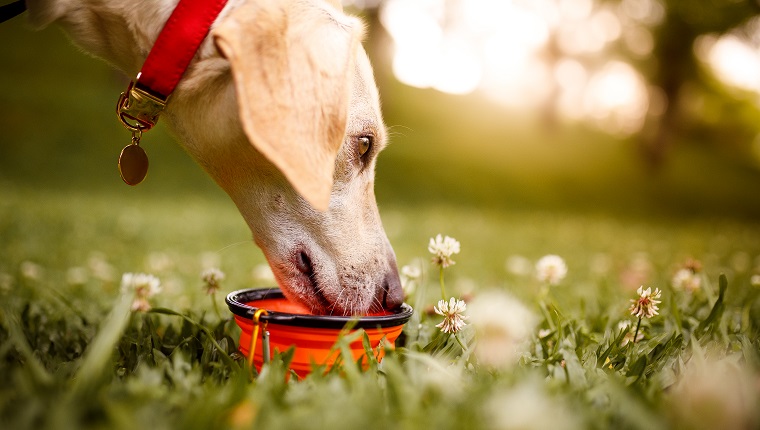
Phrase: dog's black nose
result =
(393, 295)
(303, 264)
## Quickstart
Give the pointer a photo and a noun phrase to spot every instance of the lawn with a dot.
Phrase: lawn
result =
(73, 355)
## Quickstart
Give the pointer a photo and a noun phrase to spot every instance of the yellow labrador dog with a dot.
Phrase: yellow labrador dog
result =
(280, 107)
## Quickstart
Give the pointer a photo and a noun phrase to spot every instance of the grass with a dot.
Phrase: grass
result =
(73, 356)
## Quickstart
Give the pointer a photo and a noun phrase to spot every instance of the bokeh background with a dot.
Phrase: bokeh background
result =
(631, 106)
(524, 127)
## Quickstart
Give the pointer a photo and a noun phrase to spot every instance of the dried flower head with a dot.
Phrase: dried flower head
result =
(212, 278)
(693, 265)
(551, 269)
(453, 315)
(442, 249)
(646, 305)
(144, 286)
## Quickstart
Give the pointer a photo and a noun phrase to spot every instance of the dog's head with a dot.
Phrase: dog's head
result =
(280, 107)
(299, 158)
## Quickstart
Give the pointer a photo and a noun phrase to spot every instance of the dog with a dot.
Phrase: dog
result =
(280, 107)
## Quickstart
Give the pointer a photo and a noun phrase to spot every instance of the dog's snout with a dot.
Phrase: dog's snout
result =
(393, 294)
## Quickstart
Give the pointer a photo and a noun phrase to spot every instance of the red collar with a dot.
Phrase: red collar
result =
(138, 108)
(175, 47)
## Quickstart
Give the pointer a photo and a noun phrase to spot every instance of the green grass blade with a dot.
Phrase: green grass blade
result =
(97, 358)
(713, 319)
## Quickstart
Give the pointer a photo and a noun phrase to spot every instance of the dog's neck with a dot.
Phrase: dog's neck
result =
(121, 33)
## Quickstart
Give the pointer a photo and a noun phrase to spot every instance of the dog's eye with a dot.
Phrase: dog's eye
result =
(364, 145)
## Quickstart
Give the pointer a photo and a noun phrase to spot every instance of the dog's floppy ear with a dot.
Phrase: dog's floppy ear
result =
(292, 64)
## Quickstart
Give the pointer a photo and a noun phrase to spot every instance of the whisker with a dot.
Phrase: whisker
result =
(392, 127)
(379, 303)
(338, 300)
(232, 245)
(331, 309)
(391, 132)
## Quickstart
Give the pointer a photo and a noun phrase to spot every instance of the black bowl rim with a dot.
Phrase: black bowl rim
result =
(236, 301)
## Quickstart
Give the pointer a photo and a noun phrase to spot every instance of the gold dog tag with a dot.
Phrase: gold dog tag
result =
(133, 164)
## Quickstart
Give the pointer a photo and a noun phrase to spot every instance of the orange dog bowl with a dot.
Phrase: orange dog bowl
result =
(291, 324)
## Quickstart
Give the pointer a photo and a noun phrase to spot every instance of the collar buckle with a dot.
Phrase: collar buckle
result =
(138, 109)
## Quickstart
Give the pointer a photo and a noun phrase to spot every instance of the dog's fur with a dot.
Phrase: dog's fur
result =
(272, 107)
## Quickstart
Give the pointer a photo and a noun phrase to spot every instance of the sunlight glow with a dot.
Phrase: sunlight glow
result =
(572, 78)
(732, 59)
(647, 12)
(638, 40)
(527, 53)
(616, 98)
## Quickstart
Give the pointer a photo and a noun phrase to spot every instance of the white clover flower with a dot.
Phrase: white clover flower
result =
(263, 273)
(714, 393)
(410, 275)
(646, 305)
(31, 271)
(411, 272)
(601, 264)
(212, 278)
(518, 265)
(551, 269)
(442, 250)
(502, 326)
(144, 286)
(6, 282)
(159, 262)
(686, 279)
(623, 325)
(436, 374)
(210, 259)
(453, 315)
(77, 275)
(100, 268)
(628, 338)
(528, 406)
(638, 271)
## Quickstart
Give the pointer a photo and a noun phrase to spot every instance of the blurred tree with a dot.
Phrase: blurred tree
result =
(676, 66)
